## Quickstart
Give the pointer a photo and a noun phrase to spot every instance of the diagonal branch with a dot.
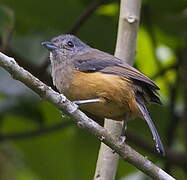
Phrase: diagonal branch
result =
(61, 102)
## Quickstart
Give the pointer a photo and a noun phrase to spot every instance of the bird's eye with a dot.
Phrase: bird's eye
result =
(70, 44)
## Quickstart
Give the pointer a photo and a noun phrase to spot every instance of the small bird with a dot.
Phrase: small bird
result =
(101, 84)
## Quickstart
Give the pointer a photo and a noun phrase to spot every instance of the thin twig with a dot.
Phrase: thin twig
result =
(85, 15)
(36, 132)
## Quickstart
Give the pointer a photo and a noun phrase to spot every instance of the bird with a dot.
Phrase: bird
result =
(101, 84)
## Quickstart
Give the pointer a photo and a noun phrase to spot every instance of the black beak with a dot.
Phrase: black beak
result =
(50, 46)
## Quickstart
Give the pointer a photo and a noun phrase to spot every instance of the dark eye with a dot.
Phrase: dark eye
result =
(70, 44)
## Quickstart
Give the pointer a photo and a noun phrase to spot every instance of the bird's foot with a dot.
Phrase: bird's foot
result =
(86, 101)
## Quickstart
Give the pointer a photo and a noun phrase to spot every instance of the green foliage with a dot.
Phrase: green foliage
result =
(108, 9)
(145, 57)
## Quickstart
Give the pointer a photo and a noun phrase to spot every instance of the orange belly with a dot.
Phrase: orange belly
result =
(116, 94)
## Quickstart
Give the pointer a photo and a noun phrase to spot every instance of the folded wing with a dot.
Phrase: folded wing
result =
(108, 64)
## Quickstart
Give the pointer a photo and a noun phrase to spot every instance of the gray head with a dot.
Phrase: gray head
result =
(66, 46)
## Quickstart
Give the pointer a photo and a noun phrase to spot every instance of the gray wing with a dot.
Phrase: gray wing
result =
(109, 64)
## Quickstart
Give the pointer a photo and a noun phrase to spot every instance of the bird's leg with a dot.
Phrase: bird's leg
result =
(86, 101)
(123, 137)
(124, 128)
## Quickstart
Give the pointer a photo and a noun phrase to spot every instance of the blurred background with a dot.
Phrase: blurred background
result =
(36, 141)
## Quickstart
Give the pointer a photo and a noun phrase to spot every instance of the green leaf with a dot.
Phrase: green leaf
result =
(145, 57)
(108, 9)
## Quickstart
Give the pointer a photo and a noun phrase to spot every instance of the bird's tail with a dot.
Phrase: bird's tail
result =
(158, 143)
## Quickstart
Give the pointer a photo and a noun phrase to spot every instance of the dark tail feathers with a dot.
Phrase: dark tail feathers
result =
(156, 137)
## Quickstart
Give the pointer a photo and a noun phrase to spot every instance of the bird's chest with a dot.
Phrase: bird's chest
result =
(62, 77)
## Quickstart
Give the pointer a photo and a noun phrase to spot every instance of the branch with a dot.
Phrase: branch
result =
(62, 103)
(34, 133)
(125, 49)
(85, 15)
(127, 30)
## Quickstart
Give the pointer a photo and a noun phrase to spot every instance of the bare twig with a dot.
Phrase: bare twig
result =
(36, 132)
(127, 30)
(61, 102)
(85, 15)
